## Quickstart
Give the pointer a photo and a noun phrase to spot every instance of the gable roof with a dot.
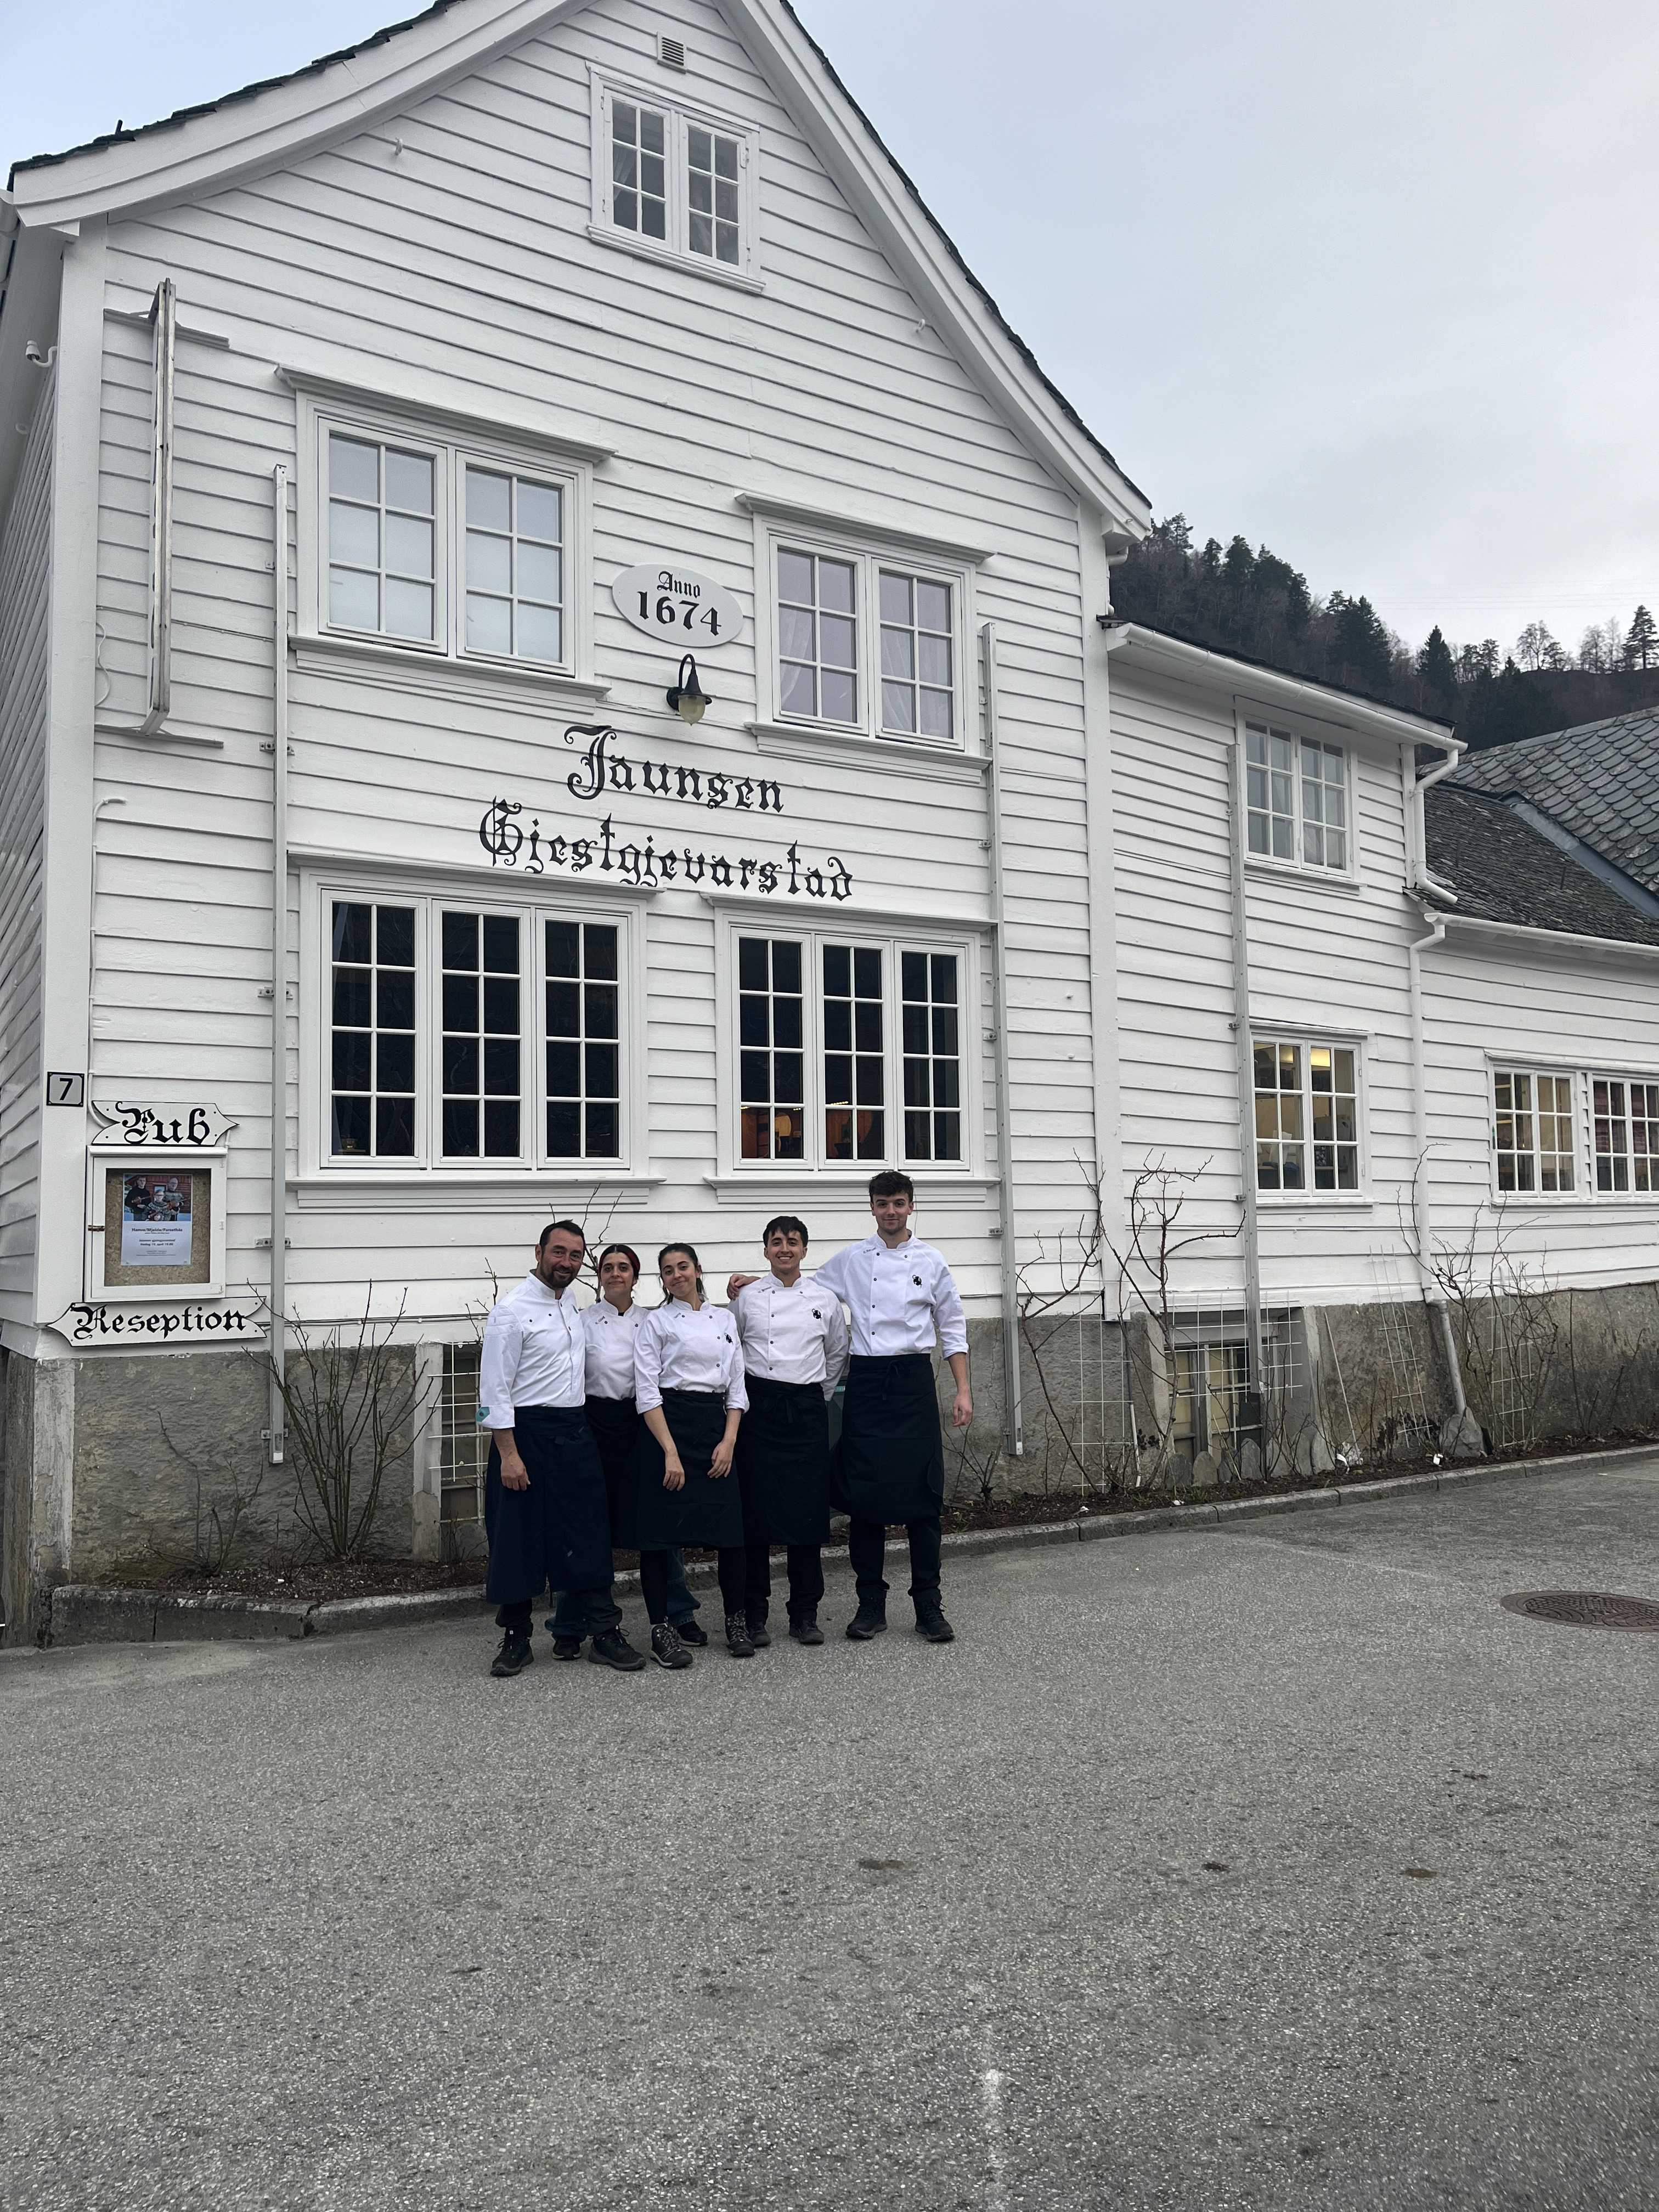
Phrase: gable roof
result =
(203, 148)
(1503, 870)
(1600, 780)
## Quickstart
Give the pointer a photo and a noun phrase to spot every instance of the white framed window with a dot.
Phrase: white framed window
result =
(1295, 799)
(862, 642)
(1307, 1115)
(1625, 1120)
(455, 548)
(468, 1034)
(1534, 1143)
(675, 180)
(846, 1050)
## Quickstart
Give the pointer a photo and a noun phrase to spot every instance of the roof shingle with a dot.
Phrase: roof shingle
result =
(1503, 870)
(1600, 781)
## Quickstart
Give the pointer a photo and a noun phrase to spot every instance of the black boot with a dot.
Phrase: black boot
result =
(611, 1648)
(567, 1647)
(688, 1631)
(870, 1620)
(739, 1642)
(667, 1648)
(804, 1628)
(515, 1653)
(931, 1622)
(759, 1635)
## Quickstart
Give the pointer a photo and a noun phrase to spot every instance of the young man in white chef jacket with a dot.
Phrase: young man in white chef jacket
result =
(545, 1510)
(889, 1463)
(794, 1342)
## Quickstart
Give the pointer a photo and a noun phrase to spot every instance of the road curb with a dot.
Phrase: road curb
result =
(86, 1613)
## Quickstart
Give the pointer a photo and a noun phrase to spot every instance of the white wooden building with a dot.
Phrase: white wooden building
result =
(377, 443)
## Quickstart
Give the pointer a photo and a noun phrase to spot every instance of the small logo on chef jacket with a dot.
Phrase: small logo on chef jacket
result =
(916, 1279)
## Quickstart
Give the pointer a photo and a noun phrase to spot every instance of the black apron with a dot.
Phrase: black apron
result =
(616, 1425)
(783, 1463)
(556, 1534)
(706, 1511)
(889, 1463)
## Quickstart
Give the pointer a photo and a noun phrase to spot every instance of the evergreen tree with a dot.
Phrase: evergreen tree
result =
(1436, 668)
(1361, 646)
(1642, 646)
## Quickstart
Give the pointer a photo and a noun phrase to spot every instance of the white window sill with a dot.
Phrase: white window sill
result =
(853, 748)
(695, 264)
(1289, 872)
(1342, 1201)
(366, 660)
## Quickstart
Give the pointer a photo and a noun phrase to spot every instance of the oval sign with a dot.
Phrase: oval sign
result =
(680, 605)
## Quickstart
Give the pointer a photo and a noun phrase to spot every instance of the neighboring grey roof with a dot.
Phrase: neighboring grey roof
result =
(1503, 870)
(1600, 780)
(442, 7)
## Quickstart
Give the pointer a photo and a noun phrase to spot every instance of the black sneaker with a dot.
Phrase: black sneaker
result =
(869, 1620)
(805, 1629)
(515, 1653)
(567, 1647)
(688, 1632)
(932, 1624)
(666, 1648)
(759, 1634)
(739, 1641)
(613, 1648)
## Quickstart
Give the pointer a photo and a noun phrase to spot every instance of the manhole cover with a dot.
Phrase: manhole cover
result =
(1585, 1608)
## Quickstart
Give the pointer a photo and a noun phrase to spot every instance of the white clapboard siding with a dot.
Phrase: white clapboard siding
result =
(25, 538)
(461, 265)
(1488, 1003)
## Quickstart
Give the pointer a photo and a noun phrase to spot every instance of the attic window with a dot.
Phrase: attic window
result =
(671, 52)
(675, 183)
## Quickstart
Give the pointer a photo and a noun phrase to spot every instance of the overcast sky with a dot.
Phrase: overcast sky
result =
(1374, 284)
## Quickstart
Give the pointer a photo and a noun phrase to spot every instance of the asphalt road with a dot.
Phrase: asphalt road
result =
(1276, 1867)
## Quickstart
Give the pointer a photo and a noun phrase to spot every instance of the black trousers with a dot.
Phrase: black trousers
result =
(805, 1568)
(598, 1608)
(866, 1542)
(654, 1581)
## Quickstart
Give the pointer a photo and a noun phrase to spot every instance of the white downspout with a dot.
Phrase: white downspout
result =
(274, 1439)
(1417, 855)
(1013, 1430)
(1244, 1057)
(165, 315)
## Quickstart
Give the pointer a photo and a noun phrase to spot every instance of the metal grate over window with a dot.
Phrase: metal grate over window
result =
(464, 1447)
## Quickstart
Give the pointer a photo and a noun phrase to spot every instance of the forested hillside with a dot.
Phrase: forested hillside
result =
(1256, 604)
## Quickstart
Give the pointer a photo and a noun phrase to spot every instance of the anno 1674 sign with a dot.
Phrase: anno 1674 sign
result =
(685, 609)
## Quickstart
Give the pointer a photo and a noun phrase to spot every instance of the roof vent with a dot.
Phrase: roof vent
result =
(671, 52)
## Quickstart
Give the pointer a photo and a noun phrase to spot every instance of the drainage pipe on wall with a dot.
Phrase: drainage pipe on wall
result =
(1013, 1430)
(274, 1439)
(1433, 1296)
(1243, 1058)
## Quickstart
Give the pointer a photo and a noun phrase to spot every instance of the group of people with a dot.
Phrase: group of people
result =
(614, 1427)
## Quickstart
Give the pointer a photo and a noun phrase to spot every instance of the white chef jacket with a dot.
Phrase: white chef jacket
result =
(898, 1298)
(533, 1354)
(610, 1337)
(791, 1333)
(676, 1349)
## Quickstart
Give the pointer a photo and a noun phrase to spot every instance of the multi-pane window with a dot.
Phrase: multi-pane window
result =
(1307, 1117)
(1295, 797)
(1211, 1383)
(583, 1041)
(1626, 1117)
(771, 1049)
(917, 687)
(711, 191)
(373, 1033)
(481, 1037)
(1324, 805)
(1533, 1130)
(817, 637)
(514, 566)
(854, 1055)
(382, 537)
(639, 169)
(932, 1057)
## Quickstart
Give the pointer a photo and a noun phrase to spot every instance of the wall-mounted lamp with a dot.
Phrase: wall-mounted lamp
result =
(688, 698)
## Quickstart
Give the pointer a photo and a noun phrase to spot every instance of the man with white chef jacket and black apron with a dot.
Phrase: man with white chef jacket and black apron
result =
(544, 1498)
(794, 1353)
(891, 1459)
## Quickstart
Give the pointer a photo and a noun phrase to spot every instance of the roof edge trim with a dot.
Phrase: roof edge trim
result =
(1156, 649)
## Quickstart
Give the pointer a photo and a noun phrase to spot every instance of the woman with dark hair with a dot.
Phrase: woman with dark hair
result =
(608, 1326)
(687, 1377)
